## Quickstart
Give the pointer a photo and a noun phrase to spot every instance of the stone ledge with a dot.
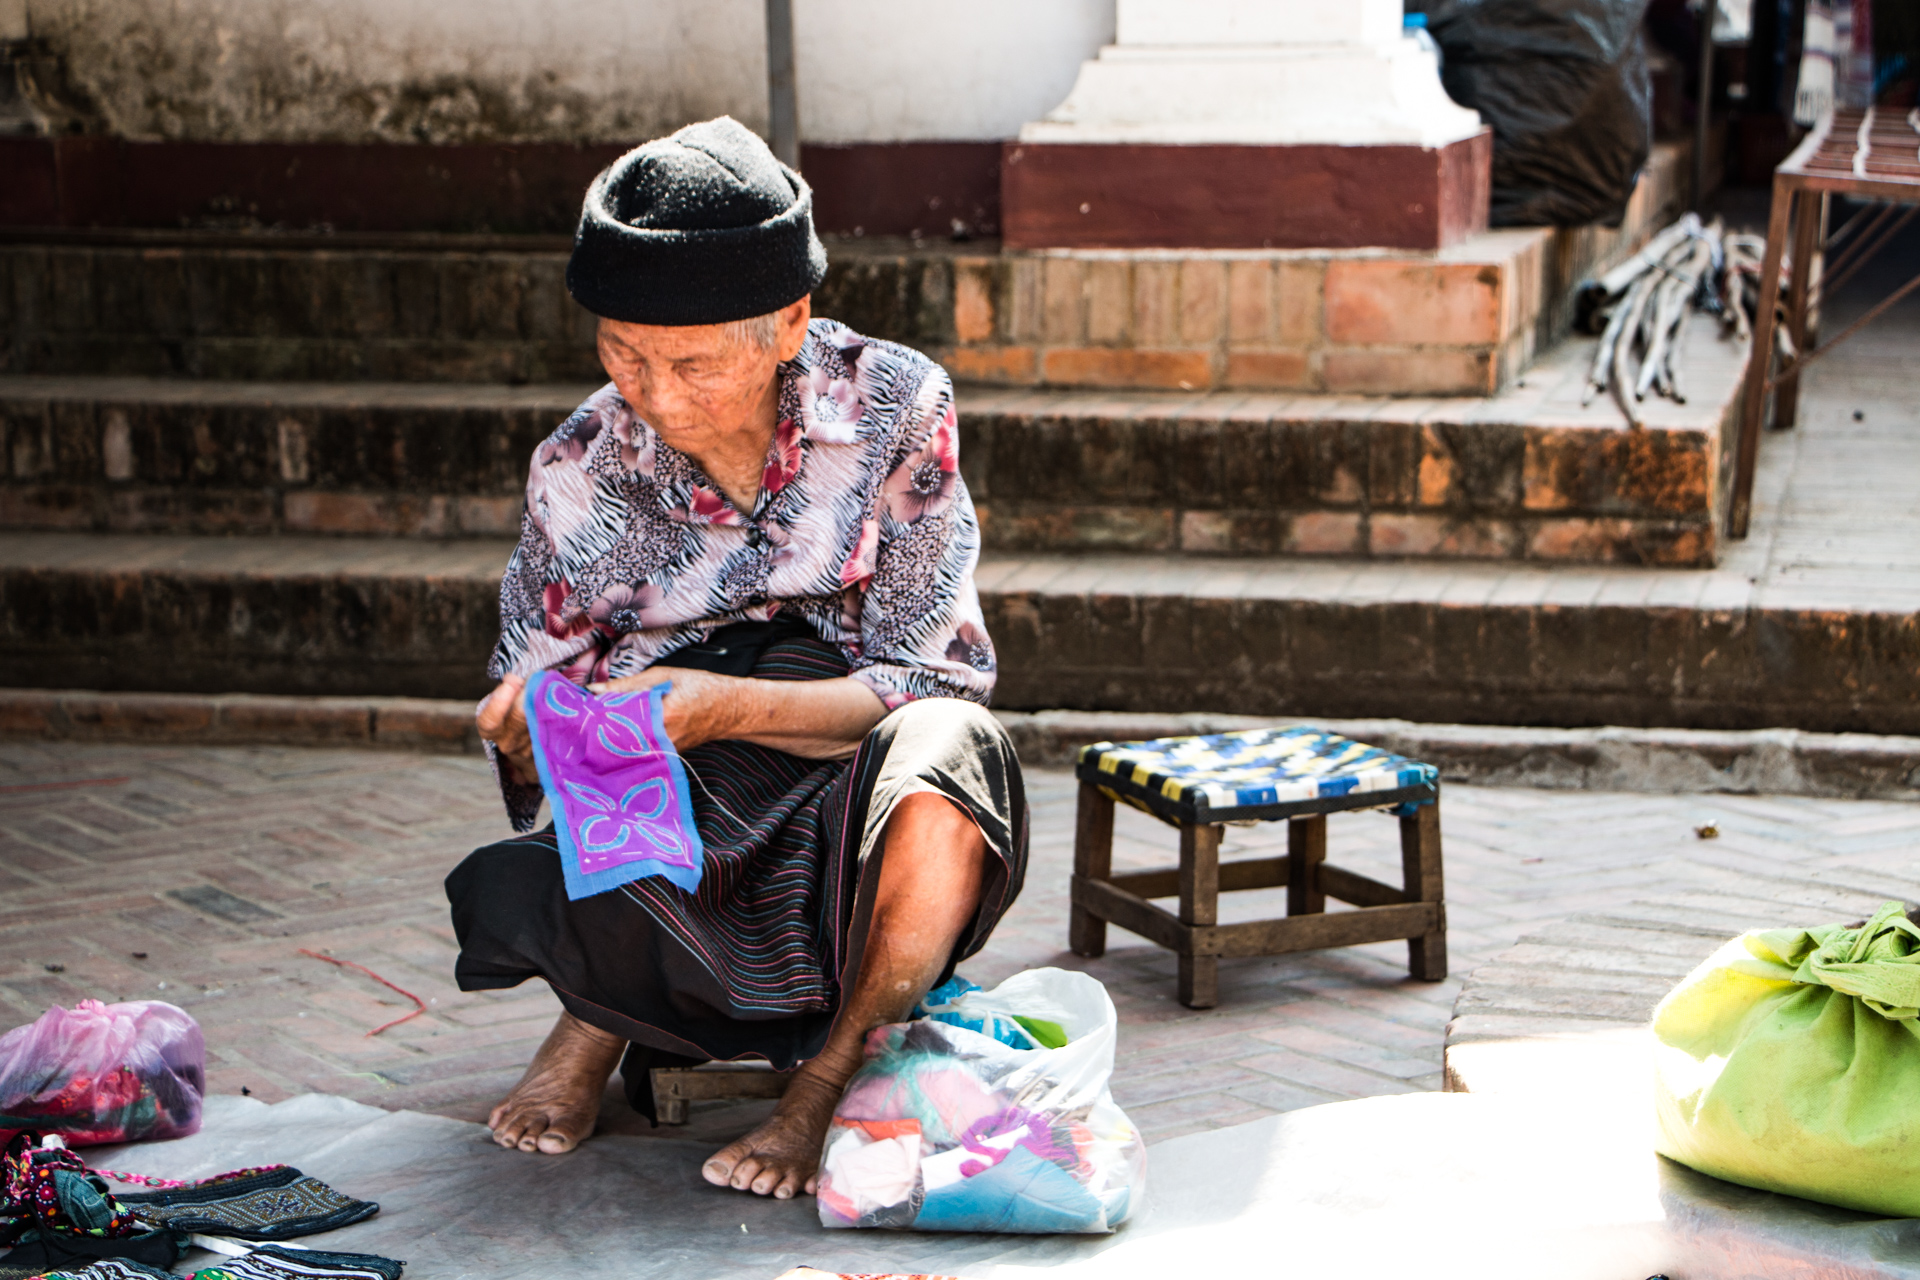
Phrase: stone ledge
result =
(1847, 766)
(1735, 648)
(1530, 474)
(1655, 761)
(1460, 321)
(238, 719)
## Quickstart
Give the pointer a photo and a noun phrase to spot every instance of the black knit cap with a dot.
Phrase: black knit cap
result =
(702, 227)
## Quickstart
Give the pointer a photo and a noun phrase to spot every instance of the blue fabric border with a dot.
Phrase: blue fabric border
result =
(586, 885)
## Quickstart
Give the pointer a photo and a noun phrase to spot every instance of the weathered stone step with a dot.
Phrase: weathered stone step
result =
(1464, 320)
(1527, 475)
(1471, 643)
(407, 618)
(160, 455)
(434, 308)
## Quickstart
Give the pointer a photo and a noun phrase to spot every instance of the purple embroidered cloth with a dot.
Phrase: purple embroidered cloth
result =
(616, 784)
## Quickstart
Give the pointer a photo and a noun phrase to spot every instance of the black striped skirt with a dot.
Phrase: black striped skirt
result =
(753, 963)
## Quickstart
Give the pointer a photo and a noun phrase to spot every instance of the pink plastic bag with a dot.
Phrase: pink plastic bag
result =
(104, 1073)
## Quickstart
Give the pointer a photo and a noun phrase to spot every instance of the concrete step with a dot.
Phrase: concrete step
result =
(1526, 475)
(1736, 648)
(266, 306)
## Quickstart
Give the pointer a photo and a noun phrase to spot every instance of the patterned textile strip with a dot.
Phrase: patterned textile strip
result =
(111, 1269)
(272, 1263)
(279, 1204)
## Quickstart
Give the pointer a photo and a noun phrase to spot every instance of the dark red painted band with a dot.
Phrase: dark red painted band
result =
(1123, 195)
(882, 189)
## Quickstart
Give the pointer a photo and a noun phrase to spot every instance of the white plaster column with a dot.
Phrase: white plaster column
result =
(1263, 72)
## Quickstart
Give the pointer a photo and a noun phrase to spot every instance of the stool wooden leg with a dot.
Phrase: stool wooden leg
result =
(1420, 863)
(1809, 215)
(1092, 860)
(1199, 904)
(1306, 850)
(1760, 362)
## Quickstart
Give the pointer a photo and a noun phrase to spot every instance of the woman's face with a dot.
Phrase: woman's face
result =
(697, 384)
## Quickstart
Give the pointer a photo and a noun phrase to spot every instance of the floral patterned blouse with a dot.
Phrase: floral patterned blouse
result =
(863, 527)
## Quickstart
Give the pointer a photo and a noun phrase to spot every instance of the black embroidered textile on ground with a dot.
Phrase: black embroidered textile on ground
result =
(278, 1204)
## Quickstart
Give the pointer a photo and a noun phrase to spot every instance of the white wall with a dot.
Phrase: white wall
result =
(562, 70)
(1184, 22)
(896, 70)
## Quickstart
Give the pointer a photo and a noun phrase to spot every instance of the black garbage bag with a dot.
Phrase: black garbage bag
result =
(1564, 85)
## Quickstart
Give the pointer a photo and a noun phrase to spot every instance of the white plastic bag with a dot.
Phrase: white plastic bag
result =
(948, 1128)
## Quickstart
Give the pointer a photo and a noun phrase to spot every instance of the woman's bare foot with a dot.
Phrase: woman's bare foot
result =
(782, 1157)
(554, 1106)
(929, 887)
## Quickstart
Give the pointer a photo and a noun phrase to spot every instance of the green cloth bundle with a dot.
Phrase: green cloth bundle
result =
(1790, 1061)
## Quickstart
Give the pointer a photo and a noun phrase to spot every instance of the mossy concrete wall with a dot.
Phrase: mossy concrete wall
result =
(540, 71)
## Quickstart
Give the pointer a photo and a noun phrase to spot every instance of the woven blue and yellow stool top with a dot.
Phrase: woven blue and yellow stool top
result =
(1255, 775)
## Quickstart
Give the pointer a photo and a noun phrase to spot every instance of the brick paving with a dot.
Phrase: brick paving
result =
(197, 875)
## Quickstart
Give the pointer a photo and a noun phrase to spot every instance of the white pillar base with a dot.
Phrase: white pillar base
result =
(1339, 94)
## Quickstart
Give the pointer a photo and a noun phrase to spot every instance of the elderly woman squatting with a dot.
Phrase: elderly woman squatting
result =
(765, 510)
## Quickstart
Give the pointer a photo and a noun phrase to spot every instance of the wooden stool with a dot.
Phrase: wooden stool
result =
(1298, 773)
(675, 1087)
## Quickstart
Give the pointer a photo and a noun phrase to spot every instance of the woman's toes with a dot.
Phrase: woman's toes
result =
(745, 1173)
(719, 1167)
(554, 1142)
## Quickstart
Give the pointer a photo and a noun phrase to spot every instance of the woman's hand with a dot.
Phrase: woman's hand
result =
(504, 724)
(700, 708)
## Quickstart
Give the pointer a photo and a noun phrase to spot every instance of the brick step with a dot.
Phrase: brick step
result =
(1464, 320)
(1469, 643)
(1528, 474)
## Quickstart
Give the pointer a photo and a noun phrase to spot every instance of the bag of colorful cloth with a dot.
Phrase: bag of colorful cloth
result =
(1790, 1061)
(991, 1113)
(104, 1073)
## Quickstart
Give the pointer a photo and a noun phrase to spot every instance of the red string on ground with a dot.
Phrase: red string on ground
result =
(62, 786)
(348, 964)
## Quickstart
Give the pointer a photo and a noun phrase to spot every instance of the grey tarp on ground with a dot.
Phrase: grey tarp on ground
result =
(1430, 1184)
